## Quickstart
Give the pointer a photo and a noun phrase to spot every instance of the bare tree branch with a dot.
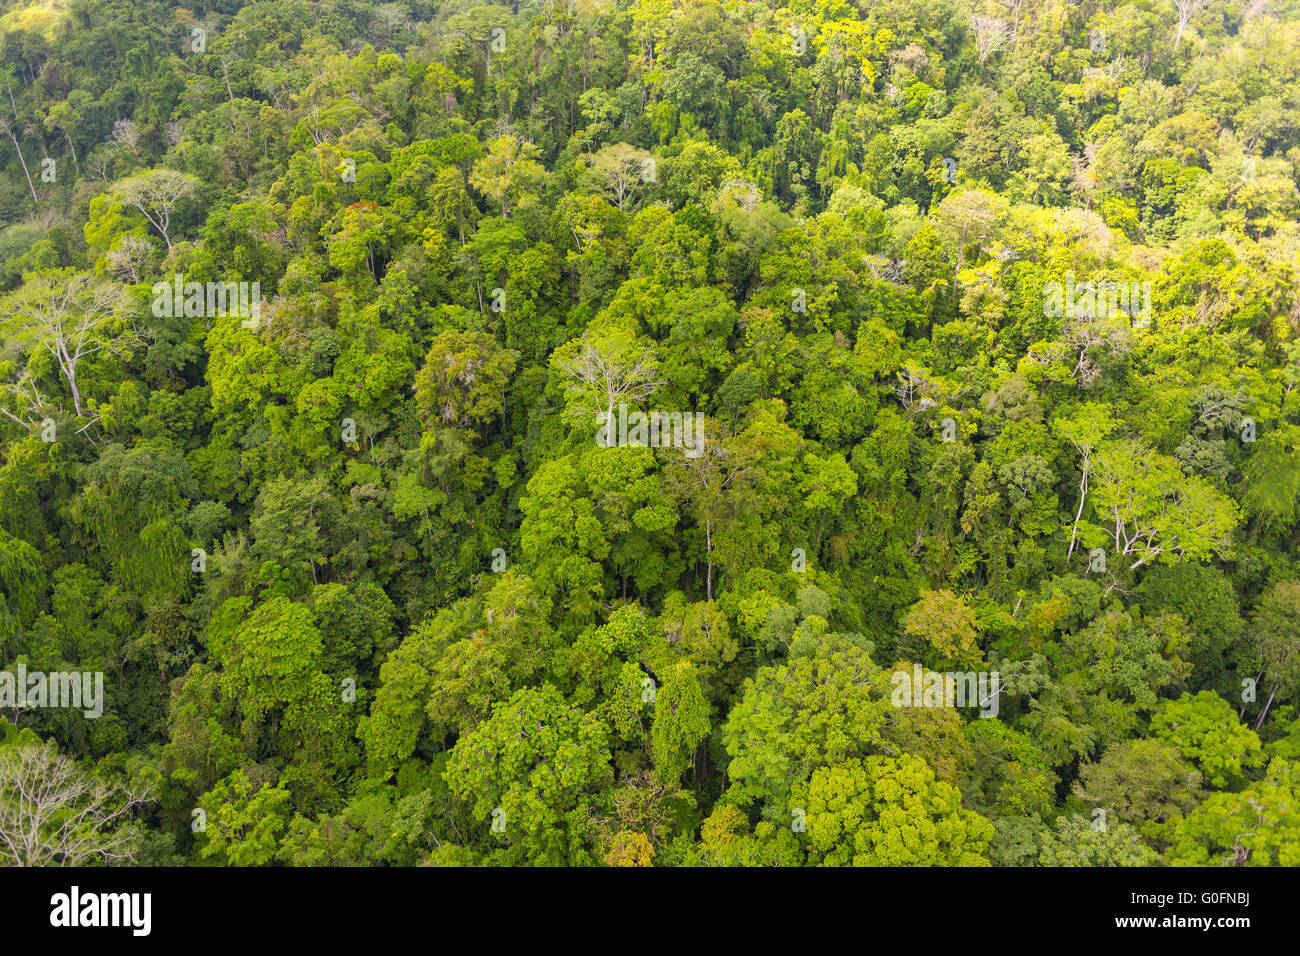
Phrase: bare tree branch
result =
(54, 814)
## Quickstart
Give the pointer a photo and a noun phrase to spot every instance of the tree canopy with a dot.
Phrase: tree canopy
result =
(651, 432)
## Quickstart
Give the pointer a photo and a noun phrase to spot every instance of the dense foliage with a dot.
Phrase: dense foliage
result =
(366, 588)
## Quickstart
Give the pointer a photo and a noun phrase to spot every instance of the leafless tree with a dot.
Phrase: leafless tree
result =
(69, 314)
(126, 136)
(390, 19)
(98, 163)
(155, 194)
(619, 170)
(915, 390)
(1013, 6)
(174, 131)
(991, 34)
(1186, 10)
(11, 131)
(1087, 336)
(610, 375)
(885, 269)
(1085, 441)
(27, 400)
(129, 259)
(54, 814)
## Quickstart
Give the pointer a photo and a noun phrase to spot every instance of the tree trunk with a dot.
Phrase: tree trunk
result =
(708, 541)
(72, 146)
(19, 151)
(1264, 713)
(1083, 496)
